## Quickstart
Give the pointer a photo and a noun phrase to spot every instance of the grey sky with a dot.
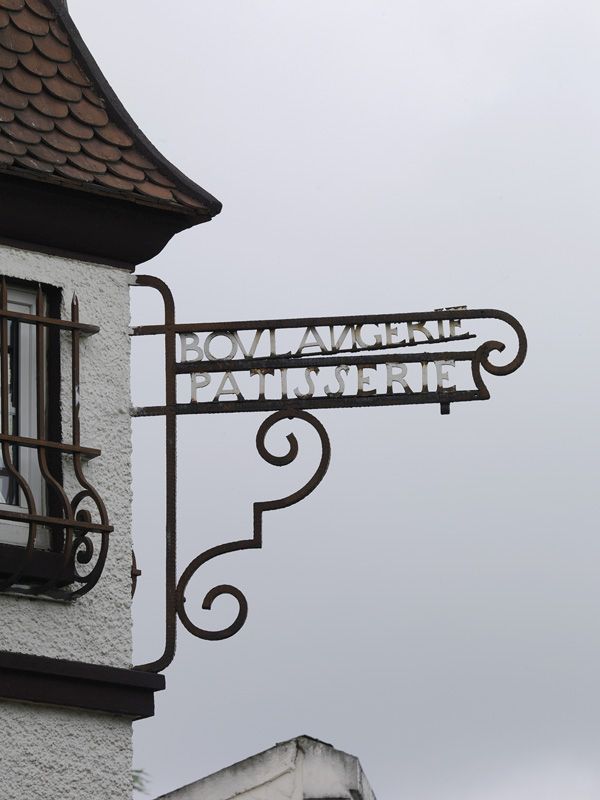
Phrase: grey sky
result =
(433, 607)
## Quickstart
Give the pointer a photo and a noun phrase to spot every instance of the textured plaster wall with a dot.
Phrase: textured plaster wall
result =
(47, 753)
(51, 754)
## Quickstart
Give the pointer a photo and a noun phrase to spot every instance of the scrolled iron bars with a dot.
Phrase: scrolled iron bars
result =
(83, 545)
(255, 542)
(346, 351)
(50, 568)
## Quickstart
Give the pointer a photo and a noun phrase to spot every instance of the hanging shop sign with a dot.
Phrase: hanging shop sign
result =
(291, 366)
(331, 362)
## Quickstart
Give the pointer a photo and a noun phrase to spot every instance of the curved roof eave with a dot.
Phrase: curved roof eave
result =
(118, 110)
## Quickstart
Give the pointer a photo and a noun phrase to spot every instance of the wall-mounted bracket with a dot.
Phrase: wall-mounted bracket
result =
(396, 366)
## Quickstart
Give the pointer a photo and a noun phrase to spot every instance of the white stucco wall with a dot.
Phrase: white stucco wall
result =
(97, 627)
(300, 769)
(54, 754)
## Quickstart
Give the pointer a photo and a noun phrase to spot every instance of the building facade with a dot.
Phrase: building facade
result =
(84, 199)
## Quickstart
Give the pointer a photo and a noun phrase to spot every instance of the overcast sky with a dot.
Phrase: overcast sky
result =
(433, 607)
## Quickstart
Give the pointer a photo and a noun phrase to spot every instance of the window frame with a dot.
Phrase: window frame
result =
(22, 297)
(68, 538)
(23, 300)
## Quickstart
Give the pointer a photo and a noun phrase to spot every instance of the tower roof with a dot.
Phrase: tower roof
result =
(62, 124)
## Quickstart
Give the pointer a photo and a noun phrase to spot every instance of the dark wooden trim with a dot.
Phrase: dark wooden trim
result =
(89, 226)
(77, 685)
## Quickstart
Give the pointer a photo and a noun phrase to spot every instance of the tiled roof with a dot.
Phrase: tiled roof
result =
(61, 122)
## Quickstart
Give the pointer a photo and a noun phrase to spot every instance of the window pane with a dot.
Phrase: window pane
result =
(9, 489)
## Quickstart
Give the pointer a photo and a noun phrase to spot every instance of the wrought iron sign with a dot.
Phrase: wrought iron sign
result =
(290, 367)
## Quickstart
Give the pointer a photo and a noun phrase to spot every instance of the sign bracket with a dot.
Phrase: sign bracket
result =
(387, 355)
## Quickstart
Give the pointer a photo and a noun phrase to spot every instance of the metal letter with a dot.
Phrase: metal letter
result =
(252, 352)
(340, 379)
(397, 377)
(262, 380)
(273, 342)
(336, 344)
(364, 380)
(418, 326)
(391, 331)
(200, 380)
(309, 381)
(210, 339)
(284, 384)
(357, 336)
(318, 341)
(454, 325)
(224, 390)
(424, 378)
(190, 344)
(443, 376)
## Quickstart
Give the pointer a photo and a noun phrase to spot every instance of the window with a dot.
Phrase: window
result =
(53, 542)
(22, 423)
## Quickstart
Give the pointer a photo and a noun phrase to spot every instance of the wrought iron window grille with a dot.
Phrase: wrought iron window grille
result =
(64, 537)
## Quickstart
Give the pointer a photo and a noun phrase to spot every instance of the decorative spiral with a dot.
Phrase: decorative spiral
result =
(258, 509)
(487, 348)
(481, 357)
(82, 547)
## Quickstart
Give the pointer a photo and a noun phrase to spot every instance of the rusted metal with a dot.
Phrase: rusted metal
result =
(359, 319)
(84, 547)
(362, 356)
(255, 541)
(49, 322)
(135, 573)
(290, 408)
(73, 531)
(23, 441)
(171, 474)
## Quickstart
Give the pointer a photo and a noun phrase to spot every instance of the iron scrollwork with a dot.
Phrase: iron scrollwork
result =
(255, 542)
(360, 356)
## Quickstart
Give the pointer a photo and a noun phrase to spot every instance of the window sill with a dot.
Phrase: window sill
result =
(42, 566)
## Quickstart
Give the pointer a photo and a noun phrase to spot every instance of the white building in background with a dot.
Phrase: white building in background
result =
(84, 199)
(301, 769)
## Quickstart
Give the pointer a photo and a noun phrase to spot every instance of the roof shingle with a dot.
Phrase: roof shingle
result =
(60, 120)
